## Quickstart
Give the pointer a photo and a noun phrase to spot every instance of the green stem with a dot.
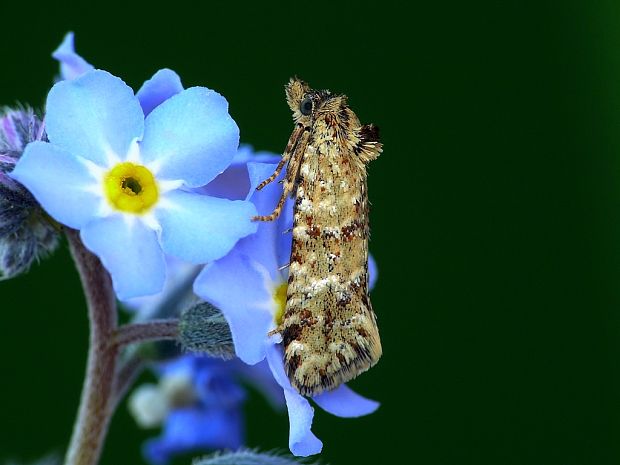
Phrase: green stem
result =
(96, 406)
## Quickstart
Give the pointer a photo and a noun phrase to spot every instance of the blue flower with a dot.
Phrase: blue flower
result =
(232, 184)
(249, 287)
(199, 400)
(125, 180)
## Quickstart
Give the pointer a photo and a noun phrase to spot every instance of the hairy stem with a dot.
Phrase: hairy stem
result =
(154, 330)
(95, 409)
(126, 373)
(133, 361)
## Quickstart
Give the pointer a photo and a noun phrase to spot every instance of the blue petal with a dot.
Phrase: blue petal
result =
(179, 275)
(60, 182)
(276, 364)
(191, 136)
(184, 365)
(196, 429)
(263, 246)
(232, 184)
(199, 229)
(301, 440)
(239, 288)
(94, 116)
(285, 239)
(130, 252)
(218, 388)
(72, 65)
(164, 84)
(265, 200)
(373, 272)
(262, 379)
(246, 153)
(346, 403)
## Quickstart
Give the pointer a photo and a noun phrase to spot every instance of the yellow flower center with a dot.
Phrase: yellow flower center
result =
(131, 188)
(279, 297)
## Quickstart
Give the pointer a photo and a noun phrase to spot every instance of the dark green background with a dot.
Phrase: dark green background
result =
(495, 218)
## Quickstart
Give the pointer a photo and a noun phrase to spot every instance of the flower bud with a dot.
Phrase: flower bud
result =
(27, 233)
(249, 457)
(203, 328)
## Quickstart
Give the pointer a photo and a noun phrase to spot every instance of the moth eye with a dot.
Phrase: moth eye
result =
(306, 106)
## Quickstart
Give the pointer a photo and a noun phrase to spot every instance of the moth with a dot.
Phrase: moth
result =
(329, 329)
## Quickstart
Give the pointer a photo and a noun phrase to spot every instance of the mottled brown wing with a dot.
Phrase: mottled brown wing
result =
(329, 329)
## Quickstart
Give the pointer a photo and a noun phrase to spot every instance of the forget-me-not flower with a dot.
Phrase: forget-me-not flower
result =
(124, 180)
(199, 400)
(232, 184)
(249, 287)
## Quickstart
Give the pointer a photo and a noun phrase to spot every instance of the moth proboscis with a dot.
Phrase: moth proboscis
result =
(328, 329)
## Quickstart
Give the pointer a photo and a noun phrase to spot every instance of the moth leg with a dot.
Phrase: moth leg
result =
(291, 175)
(285, 157)
(277, 330)
(275, 174)
(276, 211)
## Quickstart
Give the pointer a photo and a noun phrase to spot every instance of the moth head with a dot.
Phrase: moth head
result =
(300, 99)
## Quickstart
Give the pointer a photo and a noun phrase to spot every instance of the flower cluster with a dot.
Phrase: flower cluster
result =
(156, 184)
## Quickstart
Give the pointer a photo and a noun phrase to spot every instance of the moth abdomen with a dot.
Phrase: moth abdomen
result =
(341, 360)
